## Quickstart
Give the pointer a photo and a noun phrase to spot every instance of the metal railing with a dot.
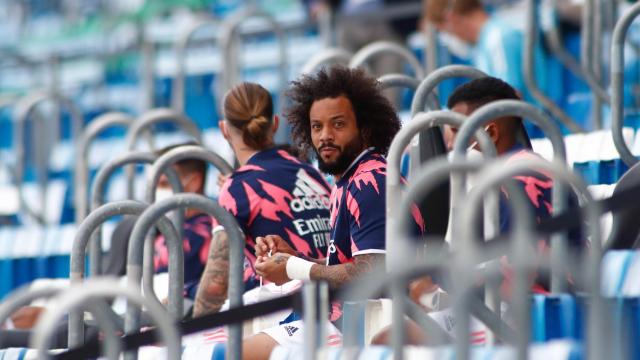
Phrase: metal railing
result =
(159, 167)
(368, 52)
(230, 39)
(80, 295)
(92, 223)
(236, 256)
(99, 193)
(529, 46)
(146, 121)
(425, 93)
(24, 108)
(617, 83)
(325, 57)
(180, 49)
(81, 171)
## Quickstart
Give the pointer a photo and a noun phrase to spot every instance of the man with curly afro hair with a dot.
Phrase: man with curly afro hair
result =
(342, 116)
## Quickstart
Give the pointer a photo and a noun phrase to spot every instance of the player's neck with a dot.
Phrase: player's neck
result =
(243, 154)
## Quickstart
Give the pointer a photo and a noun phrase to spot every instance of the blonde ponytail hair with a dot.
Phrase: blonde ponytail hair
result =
(249, 108)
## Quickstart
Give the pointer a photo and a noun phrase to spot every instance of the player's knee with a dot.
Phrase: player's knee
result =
(258, 347)
(382, 337)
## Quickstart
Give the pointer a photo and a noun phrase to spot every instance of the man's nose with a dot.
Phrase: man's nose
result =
(326, 135)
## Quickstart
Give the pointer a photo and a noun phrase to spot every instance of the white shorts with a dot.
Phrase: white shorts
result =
(292, 334)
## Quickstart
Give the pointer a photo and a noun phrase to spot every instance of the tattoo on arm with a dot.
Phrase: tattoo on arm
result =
(212, 290)
(279, 259)
(339, 275)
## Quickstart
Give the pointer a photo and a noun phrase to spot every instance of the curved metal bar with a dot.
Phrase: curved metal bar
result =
(98, 197)
(326, 56)
(505, 169)
(425, 92)
(529, 70)
(81, 181)
(24, 295)
(502, 108)
(164, 162)
(387, 47)
(236, 255)
(24, 108)
(93, 221)
(402, 139)
(230, 30)
(617, 83)
(79, 294)
(150, 118)
(180, 49)
(398, 80)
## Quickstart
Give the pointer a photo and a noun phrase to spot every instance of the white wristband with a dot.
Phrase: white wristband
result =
(217, 229)
(299, 269)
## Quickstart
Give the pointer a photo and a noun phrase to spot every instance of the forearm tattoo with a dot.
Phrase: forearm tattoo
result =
(339, 275)
(212, 290)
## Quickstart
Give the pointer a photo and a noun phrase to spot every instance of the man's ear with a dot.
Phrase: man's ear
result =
(494, 132)
(222, 124)
(196, 184)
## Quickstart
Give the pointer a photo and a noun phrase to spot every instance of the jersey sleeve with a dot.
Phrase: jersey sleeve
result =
(365, 202)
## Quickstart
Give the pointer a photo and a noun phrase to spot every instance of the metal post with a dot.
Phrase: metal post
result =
(431, 49)
(148, 71)
(78, 295)
(524, 110)
(236, 256)
(160, 165)
(24, 108)
(77, 262)
(81, 171)
(98, 198)
(146, 121)
(596, 61)
(365, 54)
(311, 321)
(180, 49)
(325, 57)
(617, 83)
(529, 69)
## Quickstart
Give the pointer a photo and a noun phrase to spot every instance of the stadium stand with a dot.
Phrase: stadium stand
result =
(89, 89)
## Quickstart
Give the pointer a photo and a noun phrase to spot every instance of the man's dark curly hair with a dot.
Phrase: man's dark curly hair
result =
(376, 118)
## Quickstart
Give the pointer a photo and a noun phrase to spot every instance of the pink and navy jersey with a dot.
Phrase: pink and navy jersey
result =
(195, 242)
(274, 193)
(538, 188)
(358, 210)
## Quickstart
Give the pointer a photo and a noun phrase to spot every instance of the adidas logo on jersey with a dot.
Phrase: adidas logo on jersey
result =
(291, 329)
(308, 194)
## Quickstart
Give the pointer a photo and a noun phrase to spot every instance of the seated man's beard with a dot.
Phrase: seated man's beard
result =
(348, 154)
